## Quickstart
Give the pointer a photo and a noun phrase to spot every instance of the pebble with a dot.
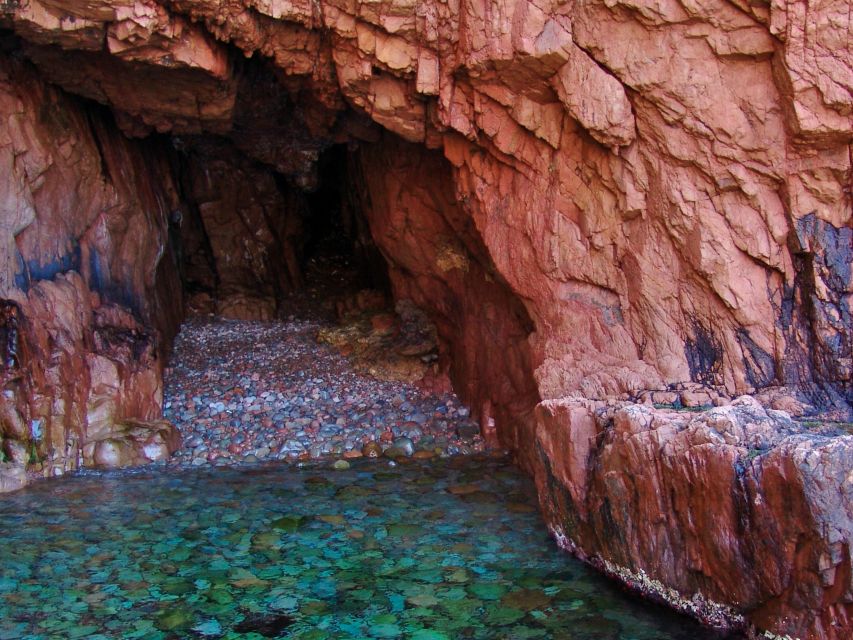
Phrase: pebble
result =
(245, 391)
(405, 445)
(371, 450)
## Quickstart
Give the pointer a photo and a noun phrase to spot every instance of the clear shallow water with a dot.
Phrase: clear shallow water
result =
(445, 549)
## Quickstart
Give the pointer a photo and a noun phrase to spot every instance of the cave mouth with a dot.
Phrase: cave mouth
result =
(250, 244)
(288, 299)
(261, 198)
(294, 267)
(265, 199)
(258, 197)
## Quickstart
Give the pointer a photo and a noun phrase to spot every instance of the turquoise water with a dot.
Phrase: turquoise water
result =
(442, 549)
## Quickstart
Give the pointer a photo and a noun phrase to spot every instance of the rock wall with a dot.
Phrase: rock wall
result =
(667, 187)
(653, 200)
(87, 283)
(240, 233)
(436, 259)
(734, 510)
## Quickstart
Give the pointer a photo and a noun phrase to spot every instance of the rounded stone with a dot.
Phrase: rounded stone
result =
(371, 450)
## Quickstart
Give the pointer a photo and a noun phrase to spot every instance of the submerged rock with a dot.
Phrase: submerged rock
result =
(269, 625)
(13, 476)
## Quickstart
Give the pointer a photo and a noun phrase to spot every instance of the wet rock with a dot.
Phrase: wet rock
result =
(724, 472)
(269, 625)
(288, 523)
(401, 448)
(210, 628)
(131, 443)
(174, 619)
(13, 476)
(371, 450)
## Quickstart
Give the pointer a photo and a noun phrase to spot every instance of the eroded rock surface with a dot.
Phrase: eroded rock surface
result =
(591, 199)
(707, 143)
(85, 291)
(619, 483)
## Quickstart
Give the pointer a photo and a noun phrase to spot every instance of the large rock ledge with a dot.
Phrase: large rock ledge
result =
(737, 514)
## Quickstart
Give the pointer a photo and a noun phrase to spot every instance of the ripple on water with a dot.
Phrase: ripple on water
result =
(420, 551)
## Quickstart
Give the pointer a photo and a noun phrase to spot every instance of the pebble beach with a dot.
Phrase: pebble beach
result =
(248, 391)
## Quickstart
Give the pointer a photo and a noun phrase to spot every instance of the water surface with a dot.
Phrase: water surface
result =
(443, 549)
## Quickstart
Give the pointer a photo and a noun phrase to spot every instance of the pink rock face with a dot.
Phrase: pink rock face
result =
(595, 201)
(711, 489)
(76, 358)
(601, 107)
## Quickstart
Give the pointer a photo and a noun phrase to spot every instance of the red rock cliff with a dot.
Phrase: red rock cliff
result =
(637, 201)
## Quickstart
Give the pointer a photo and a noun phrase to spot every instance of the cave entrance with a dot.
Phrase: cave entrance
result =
(276, 216)
(252, 245)
(337, 254)
(296, 344)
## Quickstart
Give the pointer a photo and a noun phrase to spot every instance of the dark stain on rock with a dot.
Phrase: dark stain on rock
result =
(33, 270)
(759, 365)
(704, 355)
(816, 314)
(9, 312)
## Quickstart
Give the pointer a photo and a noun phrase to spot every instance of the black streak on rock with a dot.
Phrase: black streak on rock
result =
(819, 331)
(9, 312)
(704, 355)
(760, 366)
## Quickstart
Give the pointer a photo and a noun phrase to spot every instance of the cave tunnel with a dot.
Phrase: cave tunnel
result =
(373, 227)
(297, 205)
(248, 239)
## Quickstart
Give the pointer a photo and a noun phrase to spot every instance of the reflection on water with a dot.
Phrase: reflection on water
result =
(445, 549)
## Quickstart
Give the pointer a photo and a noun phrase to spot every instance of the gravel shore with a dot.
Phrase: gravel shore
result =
(247, 391)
